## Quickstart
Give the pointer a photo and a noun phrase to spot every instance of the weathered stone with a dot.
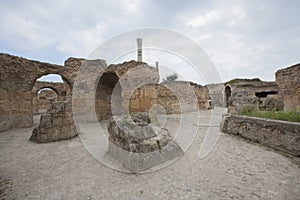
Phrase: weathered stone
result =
(137, 136)
(280, 135)
(141, 118)
(288, 80)
(17, 78)
(138, 144)
(56, 124)
(241, 92)
(174, 97)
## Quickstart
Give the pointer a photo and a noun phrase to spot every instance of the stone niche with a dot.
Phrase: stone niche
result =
(117, 84)
(288, 80)
(56, 124)
(138, 144)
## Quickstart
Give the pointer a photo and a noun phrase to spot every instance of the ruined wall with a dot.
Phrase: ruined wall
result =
(117, 84)
(259, 94)
(45, 97)
(173, 96)
(216, 92)
(288, 81)
(17, 77)
(203, 96)
(41, 100)
(56, 124)
(276, 134)
(152, 95)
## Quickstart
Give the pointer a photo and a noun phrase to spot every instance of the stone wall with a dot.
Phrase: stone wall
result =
(280, 135)
(288, 81)
(17, 78)
(216, 92)
(173, 97)
(259, 94)
(151, 95)
(118, 83)
(56, 124)
(45, 97)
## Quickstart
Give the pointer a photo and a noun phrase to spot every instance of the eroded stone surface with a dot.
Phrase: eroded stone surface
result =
(136, 134)
(288, 80)
(139, 145)
(261, 95)
(56, 124)
(276, 134)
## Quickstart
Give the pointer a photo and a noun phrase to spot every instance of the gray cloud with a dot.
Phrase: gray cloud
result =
(243, 38)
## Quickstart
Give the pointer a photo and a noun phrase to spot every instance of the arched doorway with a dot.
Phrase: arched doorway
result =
(108, 99)
(44, 98)
(47, 88)
(227, 95)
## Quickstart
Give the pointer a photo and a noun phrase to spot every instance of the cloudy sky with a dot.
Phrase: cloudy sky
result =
(243, 38)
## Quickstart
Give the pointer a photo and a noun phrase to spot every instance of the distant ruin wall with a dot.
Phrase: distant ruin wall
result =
(288, 81)
(41, 99)
(259, 94)
(216, 93)
(280, 135)
(174, 97)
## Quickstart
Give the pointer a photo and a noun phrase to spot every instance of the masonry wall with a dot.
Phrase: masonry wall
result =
(249, 93)
(280, 135)
(288, 81)
(174, 97)
(216, 92)
(17, 77)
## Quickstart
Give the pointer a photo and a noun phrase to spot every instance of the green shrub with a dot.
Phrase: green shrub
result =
(247, 109)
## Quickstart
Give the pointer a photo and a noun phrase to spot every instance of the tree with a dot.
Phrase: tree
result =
(171, 77)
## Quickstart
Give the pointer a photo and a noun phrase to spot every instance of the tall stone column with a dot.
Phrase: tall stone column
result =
(139, 49)
(156, 65)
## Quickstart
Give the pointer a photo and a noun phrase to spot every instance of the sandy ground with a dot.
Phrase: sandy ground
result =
(234, 169)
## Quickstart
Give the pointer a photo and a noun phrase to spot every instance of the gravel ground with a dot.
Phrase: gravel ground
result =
(234, 169)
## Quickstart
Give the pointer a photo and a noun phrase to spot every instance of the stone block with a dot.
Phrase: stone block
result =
(46, 120)
(57, 121)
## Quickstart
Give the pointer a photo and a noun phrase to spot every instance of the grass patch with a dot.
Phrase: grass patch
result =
(291, 116)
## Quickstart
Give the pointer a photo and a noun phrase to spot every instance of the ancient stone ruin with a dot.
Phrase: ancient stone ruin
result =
(288, 81)
(138, 144)
(254, 92)
(56, 124)
(128, 97)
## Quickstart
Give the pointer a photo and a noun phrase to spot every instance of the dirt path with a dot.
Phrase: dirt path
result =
(234, 169)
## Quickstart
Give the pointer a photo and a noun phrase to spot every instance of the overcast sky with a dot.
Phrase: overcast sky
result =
(243, 38)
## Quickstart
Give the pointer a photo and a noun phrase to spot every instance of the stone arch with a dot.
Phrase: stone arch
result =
(108, 98)
(62, 89)
(45, 96)
(227, 95)
(51, 84)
